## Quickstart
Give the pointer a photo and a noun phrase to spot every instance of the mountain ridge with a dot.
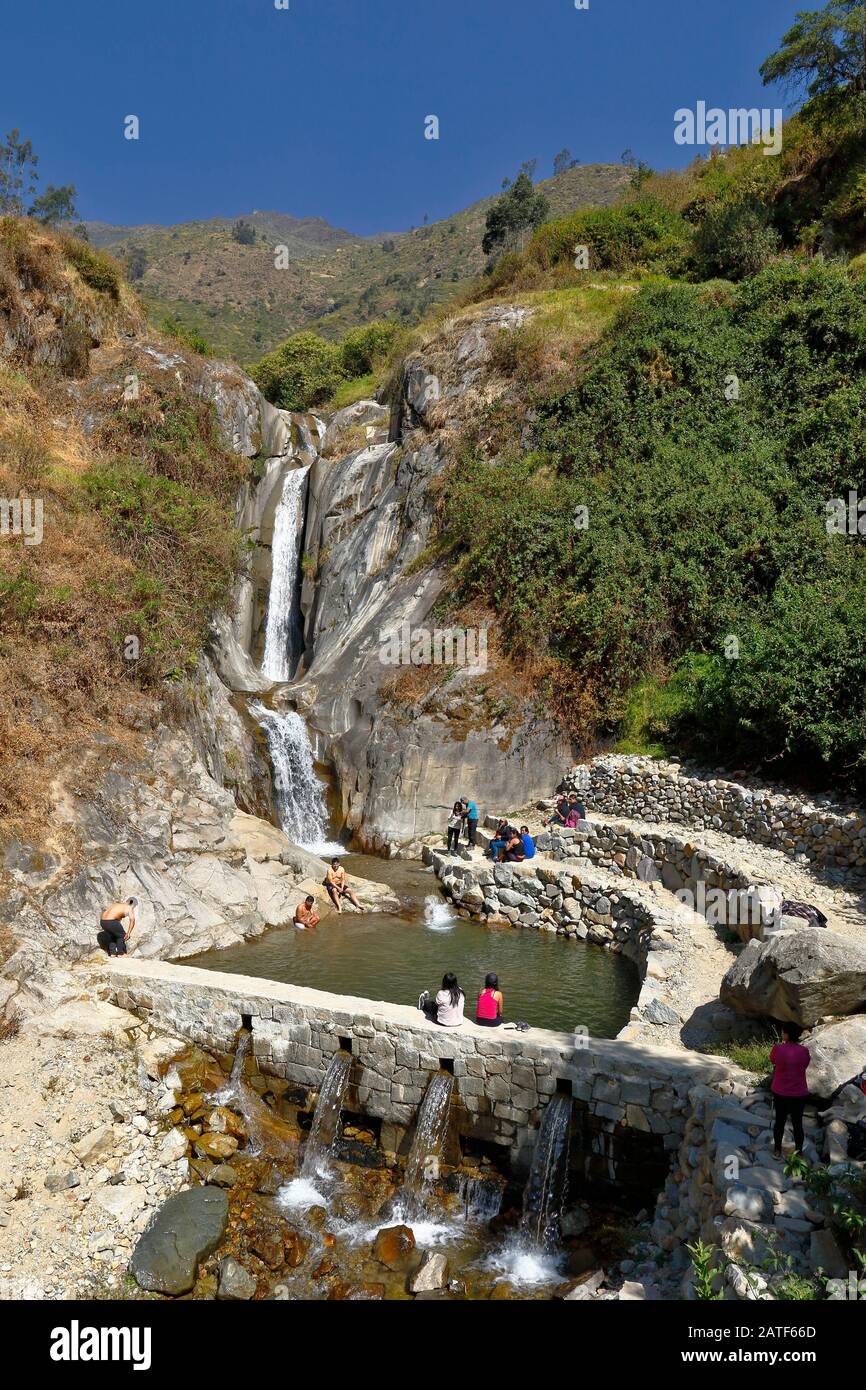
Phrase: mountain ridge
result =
(243, 305)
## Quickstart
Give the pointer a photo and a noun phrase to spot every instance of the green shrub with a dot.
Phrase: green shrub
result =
(707, 521)
(735, 240)
(301, 373)
(364, 348)
(96, 268)
(619, 238)
(190, 337)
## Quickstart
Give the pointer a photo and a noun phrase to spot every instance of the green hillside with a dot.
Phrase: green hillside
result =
(243, 305)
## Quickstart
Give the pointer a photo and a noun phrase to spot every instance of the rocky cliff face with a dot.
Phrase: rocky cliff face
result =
(400, 759)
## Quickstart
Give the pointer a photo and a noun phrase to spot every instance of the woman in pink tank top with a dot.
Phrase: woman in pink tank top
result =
(789, 1086)
(488, 1011)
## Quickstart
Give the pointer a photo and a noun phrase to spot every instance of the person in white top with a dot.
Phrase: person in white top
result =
(447, 1008)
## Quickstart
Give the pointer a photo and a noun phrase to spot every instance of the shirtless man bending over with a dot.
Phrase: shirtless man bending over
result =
(337, 885)
(111, 925)
(305, 913)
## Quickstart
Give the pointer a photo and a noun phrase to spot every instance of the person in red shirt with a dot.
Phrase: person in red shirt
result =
(789, 1087)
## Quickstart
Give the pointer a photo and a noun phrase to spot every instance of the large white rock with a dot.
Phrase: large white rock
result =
(838, 1053)
(83, 1018)
(799, 976)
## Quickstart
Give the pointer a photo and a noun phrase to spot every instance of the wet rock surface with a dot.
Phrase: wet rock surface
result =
(186, 1228)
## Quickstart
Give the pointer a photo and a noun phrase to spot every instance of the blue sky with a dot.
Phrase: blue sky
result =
(319, 109)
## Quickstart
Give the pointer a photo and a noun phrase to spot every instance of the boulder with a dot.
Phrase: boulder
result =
(393, 1246)
(432, 1273)
(95, 1146)
(223, 1175)
(235, 1282)
(838, 1055)
(83, 1019)
(187, 1227)
(800, 977)
(124, 1202)
(219, 1147)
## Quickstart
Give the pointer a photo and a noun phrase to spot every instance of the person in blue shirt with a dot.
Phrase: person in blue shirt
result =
(470, 815)
(528, 842)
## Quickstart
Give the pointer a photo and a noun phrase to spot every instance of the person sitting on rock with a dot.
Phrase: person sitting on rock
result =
(455, 824)
(790, 1061)
(528, 842)
(560, 815)
(500, 839)
(305, 913)
(338, 888)
(514, 852)
(576, 811)
(111, 935)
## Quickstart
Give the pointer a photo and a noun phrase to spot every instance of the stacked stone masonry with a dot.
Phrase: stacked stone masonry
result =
(502, 1082)
(817, 831)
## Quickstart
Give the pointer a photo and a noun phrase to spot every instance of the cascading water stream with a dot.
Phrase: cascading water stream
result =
(261, 1138)
(298, 794)
(544, 1194)
(326, 1118)
(282, 625)
(430, 1130)
(529, 1257)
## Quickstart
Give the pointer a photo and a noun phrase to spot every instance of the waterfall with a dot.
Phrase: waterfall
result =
(239, 1095)
(326, 1118)
(544, 1195)
(281, 631)
(430, 1130)
(298, 793)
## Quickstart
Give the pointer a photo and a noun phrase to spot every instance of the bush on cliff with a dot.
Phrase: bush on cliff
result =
(307, 371)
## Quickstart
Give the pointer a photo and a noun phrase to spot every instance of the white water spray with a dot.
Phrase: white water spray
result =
(281, 658)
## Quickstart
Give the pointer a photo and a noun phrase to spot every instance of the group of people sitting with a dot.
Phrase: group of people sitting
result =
(510, 846)
(447, 1008)
(569, 810)
(464, 812)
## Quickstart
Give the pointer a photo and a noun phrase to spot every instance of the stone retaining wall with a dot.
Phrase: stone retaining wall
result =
(726, 1189)
(646, 789)
(677, 862)
(585, 907)
(633, 1100)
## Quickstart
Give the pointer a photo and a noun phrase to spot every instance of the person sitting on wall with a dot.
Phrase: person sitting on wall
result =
(447, 1008)
(576, 811)
(111, 934)
(305, 913)
(491, 1004)
(338, 888)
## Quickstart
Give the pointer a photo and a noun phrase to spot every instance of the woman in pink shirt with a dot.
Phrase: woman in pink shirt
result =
(789, 1088)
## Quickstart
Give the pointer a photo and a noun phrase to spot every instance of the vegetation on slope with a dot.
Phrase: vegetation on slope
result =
(663, 559)
(137, 542)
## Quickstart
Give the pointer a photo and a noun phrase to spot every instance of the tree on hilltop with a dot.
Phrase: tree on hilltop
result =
(824, 52)
(513, 216)
(18, 176)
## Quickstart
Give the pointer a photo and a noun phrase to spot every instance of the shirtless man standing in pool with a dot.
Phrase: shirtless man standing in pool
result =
(337, 885)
